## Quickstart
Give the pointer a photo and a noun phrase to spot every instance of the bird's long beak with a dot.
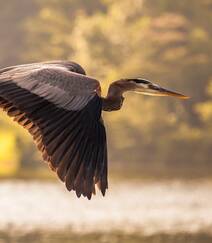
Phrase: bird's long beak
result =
(156, 90)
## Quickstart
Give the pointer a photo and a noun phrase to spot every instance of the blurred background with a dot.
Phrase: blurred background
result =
(160, 155)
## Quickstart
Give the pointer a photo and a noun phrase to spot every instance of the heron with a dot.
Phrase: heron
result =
(61, 107)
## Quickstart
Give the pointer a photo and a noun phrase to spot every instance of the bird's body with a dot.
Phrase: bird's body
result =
(61, 108)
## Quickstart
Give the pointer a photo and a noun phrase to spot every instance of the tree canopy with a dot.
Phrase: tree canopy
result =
(168, 42)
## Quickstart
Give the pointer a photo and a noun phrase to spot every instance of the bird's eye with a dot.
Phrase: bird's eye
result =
(155, 87)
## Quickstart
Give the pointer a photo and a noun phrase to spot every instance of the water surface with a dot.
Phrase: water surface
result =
(147, 208)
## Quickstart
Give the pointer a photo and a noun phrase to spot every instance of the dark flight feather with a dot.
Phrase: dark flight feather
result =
(60, 108)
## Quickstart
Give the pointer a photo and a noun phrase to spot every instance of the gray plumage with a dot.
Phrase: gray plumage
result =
(61, 108)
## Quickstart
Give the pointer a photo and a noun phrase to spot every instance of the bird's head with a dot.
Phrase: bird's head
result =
(143, 86)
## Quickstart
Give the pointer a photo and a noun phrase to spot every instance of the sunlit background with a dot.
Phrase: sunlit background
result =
(160, 149)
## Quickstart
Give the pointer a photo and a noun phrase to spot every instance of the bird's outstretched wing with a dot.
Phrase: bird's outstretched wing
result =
(61, 109)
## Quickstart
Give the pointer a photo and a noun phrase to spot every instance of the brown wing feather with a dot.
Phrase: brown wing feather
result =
(73, 142)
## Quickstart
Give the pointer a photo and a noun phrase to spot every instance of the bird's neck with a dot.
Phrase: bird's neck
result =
(114, 99)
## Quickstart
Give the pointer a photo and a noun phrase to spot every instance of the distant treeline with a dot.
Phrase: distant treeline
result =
(168, 42)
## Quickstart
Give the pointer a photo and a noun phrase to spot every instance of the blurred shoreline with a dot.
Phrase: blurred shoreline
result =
(68, 236)
(119, 171)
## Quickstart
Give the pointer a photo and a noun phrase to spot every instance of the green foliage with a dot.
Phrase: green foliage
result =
(163, 40)
(12, 15)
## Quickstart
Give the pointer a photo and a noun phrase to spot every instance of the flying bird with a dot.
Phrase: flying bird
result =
(61, 108)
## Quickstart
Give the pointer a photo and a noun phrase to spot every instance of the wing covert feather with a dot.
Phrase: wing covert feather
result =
(65, 122)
